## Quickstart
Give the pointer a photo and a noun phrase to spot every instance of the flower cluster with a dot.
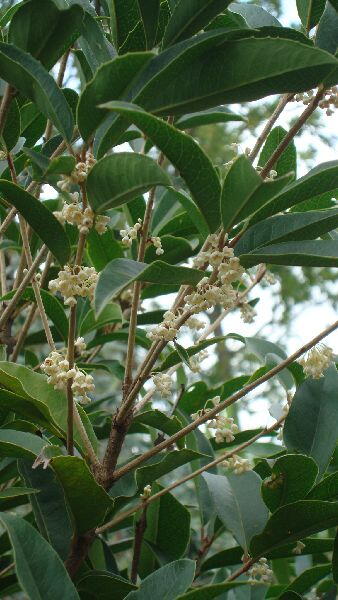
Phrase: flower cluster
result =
(299, 547)
(74, 214)
(225, 428)
(316, 361)
(56, 366)
(248, 313)
(80, 345)
(75, 281)
(79, 175)
(130, 234)
(261, 571)
(194, 323)
(195, 361)
(167, 330)
(156, 241)
(270, 277)
(146, 492)
(237, 464)
(163, 383)
(3, 155)
(328, 103)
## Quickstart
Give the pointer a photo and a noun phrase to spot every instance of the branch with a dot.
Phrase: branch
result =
(140, 528)
(269, 125)
(222, 405)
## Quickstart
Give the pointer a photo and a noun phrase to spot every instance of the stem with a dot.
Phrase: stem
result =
(70, 399)
(140, 528)
(5, 105)
(241, 570)
(291, 134)
(86, 441)
(269, 125)
(222, 405)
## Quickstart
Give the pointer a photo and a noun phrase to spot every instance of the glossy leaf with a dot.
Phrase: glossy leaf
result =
(317, 435)
(251, 192)
(293, 475)
(220, 114)
(172, 460)
(167, 582)
(39, 569)
(281, 228)
(79, 484)
(41, 220)
(239, 504)
(122, 271)
(287, 162)
(293, 522)
(149, 11)
(116, 179)
(305, 254)
(44, 31)
(27, 74)
(310, 12)
(185, 154)
(189, 17)
(122, 70)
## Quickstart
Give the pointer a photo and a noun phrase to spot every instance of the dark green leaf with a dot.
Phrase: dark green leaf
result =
(167, 582)
(27, 74)
(254, 15)
(335, 560)
(94, 44)
(61, 164)
(220, 114)
(251, 192)
(287, 161)
(294, 522)
(239, 504)
(39, 218)
(102, 248)
(169, 462)
(122, 70)
(189, 17)
(39, 569)
(111, 314)
(125, 18)
(327, 31)
(79, 484)
(121, 272)
(44, 31)
(207, 592)
(149, 11)
(159, 420)
(293, 475)
(317, 435)
(306, 580)
(185, 154)
(104, 586)
(176, 250)
(12, 127)
(13, 492)
(304, 254)
(282, 228)
(116, 179)
(327, 489)
(20, 444)
(310, 12)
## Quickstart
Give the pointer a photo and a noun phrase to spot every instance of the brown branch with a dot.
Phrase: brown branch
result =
(269, 125)
(140, 528)
(70, 399)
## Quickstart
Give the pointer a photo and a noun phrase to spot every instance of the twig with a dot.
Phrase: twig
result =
(5, 105)
(140, 528)
(222, 405)
(70, 399)
(269, 125)
(86, 441)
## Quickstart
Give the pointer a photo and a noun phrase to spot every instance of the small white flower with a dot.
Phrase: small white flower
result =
(237, 464)
(316, 361)
(260, 573)
(163, 383)
(146, 492)
(299, 547)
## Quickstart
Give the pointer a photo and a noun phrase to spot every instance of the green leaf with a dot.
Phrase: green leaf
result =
(49, 507)
(122, 70)
(293, 475)
(168, 462)
(39, 569)
(254, 15)
(319, 180)
(185, 154)
(305, 254)
(122, 272)
(94, 44)
(293, 522)
(159, 420)
(20, 444)
(44, 31)
(87, 500)
(239, 504)
(327, 31)
(189, 17)
(310, 12)
(207, 592)
(125, 18)
(27, 74)
(116, 179)
(251, 192)
(41, 220)
(12, 127)
(104, 586)
(315, 436)
(52, 305)
(327, 489)
(149, 11)
(102, 249)
(32, 390)
(61, 164)
(292, 226)
(168, 203)
(287, 161)
(14, 492)
(220, 114)
(111, 314)
(176, 249)
(306, 580)
(167, 582)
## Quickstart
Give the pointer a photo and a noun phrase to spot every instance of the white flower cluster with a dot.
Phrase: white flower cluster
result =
(75, 281)
(130, 234)
(316, 361)
(167, 330)
(270, 277)
(80, 345)
(194, 323)
(3, 155)
(328, 103)
(237, 464)
(163, 383)
(56, 366)
(271, 176)
(248, 313)
(195, 361)
(261, 571)
(299, 547)
(156, 241)
(79, 175)
(146, 492)
(74, 214)
(225, 428)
